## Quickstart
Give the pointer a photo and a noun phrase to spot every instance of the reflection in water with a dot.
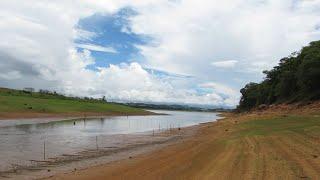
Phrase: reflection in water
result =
(23, 142)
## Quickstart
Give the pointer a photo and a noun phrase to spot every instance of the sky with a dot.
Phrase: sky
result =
(161, 51)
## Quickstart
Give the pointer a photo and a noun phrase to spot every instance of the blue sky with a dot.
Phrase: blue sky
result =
(109, 33)
(150, 51)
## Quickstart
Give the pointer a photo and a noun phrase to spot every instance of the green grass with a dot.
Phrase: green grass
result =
(281, 124)
(17, 101)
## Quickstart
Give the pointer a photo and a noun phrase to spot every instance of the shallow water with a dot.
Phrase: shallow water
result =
(25, 140)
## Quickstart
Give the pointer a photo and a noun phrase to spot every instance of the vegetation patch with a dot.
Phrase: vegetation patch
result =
(280, 124)
(295, 79)
(15, 101)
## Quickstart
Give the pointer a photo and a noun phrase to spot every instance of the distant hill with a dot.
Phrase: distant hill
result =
(28, 104)
(175, 107)
(295, 79)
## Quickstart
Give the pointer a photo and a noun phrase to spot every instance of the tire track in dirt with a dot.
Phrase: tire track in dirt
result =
(260, 161)
(274, 165)
(309, 144)
(301, 167)
(221, 167)
(303, 152)
(248, 162)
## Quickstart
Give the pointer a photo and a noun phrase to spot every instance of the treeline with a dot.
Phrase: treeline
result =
(46, 94)
(174, 107)
(296, 78)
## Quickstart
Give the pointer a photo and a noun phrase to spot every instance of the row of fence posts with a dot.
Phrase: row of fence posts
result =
(74, 123)
(170, 128)
(97, 145)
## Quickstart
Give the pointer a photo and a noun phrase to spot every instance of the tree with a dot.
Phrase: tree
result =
(297, 77)
(104, 99)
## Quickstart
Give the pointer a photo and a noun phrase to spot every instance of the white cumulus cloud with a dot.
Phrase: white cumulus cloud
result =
(224, 64)
(94, 47)
(38, 48)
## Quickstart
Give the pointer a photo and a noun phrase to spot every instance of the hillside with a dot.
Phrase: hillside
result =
(295, 79)
(177, 107)
(23, 104)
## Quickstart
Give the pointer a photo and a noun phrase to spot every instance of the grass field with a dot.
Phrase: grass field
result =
(277, 144)
(25, 105)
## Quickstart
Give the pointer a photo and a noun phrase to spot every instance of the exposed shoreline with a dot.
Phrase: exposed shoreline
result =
(146, 143)
(255, 145)
(34, 115)
(225, 149)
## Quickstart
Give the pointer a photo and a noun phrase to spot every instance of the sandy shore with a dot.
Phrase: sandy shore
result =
(136, 144)
(228, 149)
(149, 163)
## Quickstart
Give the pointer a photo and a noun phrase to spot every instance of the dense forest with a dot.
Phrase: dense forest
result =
(296, 78)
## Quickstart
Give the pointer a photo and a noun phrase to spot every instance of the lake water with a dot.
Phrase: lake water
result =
(24, 140)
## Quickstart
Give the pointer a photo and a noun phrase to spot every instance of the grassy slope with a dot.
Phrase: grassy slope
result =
(26, 104)
(285, 145)
(279, 144)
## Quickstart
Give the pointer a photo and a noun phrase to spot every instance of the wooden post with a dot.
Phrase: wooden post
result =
(44, 150)
(97, 142)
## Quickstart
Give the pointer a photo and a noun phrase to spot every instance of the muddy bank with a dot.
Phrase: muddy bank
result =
(27, 144)
(66, 163)
(32, 115)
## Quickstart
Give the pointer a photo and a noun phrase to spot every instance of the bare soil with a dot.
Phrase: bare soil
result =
(28, 115)
(255, 145)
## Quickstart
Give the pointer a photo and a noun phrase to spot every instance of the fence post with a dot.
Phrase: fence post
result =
(97, 142)
(44, 150)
